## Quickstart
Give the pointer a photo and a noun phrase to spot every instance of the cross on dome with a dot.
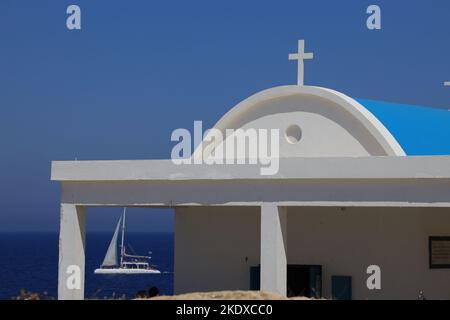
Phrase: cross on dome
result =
(300, 57)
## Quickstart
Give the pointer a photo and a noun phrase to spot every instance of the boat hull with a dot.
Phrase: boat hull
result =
(125, 271)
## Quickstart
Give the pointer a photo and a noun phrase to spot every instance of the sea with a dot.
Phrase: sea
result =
(29, 261)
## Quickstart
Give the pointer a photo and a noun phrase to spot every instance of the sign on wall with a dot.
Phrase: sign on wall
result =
(439, 252)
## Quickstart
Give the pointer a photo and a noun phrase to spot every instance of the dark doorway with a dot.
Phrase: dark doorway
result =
(255, 278)
(302, 280)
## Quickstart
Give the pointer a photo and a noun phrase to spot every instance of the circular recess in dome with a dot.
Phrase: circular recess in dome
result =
(293, 134)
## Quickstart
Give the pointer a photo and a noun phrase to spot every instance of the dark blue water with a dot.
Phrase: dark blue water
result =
(30, 261)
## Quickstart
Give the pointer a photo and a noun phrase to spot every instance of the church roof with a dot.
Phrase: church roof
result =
(330, 124)
(419, 130)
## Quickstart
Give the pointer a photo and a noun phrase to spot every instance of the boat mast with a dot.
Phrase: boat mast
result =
(122, 246)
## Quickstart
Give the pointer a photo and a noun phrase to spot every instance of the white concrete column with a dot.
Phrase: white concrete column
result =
(273, 248)
(71, 252)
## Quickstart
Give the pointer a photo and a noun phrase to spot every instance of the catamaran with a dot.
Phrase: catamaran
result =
(128, 264)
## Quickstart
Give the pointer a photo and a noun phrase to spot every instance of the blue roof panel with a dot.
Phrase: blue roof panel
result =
(419, 130)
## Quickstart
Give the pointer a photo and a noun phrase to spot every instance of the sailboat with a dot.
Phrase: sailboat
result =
(128, 264)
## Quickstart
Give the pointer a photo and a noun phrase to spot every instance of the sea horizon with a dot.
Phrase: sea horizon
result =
(90, 232)
(34, 255)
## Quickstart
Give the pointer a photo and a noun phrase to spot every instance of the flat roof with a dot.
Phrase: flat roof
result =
(392, 167)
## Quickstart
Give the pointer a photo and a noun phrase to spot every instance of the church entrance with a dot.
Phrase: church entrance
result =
(302, 280)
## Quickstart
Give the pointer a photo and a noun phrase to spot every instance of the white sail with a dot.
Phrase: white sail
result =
(133, 265)
(111, 255)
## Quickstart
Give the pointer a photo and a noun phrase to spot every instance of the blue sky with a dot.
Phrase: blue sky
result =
(139, 69)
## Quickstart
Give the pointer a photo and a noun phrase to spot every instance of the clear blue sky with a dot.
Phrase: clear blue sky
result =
(139, 69)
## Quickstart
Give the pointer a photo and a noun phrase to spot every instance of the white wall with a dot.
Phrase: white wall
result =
(396, 239)
(211, 244)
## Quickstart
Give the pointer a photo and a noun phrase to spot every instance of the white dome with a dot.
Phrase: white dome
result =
(313, 122)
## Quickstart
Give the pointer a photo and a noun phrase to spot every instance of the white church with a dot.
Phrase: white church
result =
(348, 215)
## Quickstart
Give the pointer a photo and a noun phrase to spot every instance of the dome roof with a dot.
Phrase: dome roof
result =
(419, 130)
(313, 122)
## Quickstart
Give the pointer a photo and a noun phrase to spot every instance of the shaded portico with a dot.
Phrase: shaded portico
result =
(406, 182)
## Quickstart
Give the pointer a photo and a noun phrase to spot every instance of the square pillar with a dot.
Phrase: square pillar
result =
(273, 248)
(71, 252)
